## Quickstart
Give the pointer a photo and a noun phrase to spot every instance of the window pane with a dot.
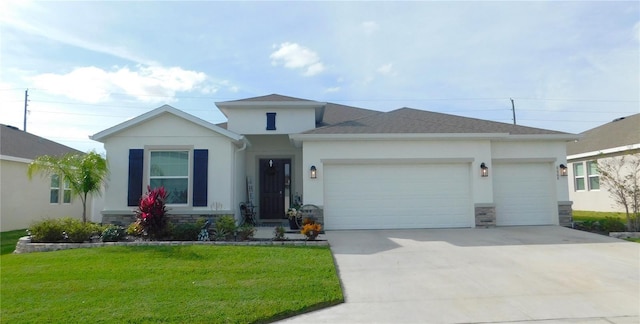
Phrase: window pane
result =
(177, 189)
(66, 198)
(53, 197)
(580, 184)
(169, 164)
(592, 168)
(594, 183)
(55, 181)
(578, 169)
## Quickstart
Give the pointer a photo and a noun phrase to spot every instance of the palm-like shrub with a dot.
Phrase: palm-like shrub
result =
(151, 214)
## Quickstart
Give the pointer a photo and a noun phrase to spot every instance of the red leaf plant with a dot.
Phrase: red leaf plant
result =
(151, 213)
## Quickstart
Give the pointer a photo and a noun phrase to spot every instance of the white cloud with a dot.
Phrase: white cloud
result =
(332, 89)
(295, 56)
(145, 83)
(386, 69)
(370, 27)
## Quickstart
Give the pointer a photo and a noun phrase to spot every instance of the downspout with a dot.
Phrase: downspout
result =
(234, 183)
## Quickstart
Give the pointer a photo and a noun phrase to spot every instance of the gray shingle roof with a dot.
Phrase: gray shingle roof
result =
(620, 132)
(271, 97)
(16, 143)
(408, 120)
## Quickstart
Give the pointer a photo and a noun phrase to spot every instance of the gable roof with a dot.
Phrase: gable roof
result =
(166, 109)
(414, 121)
(620, 132)
(20, 144)
(271, 97)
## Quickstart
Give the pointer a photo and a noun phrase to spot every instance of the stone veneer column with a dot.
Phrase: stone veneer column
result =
(565, 213)
(485, 215)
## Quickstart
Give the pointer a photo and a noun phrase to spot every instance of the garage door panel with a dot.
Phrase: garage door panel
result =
(524, 194)
(397, 196)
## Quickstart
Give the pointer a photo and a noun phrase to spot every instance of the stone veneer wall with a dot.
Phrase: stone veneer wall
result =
(485, 215)
(125, 220)
(25, 246)
(565, 213)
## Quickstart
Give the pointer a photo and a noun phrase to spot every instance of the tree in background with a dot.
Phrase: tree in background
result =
(85, 173)
(621, 177)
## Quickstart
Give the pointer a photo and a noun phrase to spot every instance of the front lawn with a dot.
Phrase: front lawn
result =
(177, 284)
(9, 239)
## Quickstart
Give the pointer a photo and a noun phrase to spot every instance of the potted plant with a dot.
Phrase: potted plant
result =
(292, 215)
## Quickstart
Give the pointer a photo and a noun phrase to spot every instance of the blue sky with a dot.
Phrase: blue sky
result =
(569, 66)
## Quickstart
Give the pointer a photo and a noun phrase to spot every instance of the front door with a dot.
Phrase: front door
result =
(274, 179)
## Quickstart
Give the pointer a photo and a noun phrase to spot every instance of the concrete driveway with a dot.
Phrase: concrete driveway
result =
(541, 274)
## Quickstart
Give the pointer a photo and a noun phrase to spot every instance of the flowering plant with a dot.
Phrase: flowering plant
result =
(151, 213)
(292, 213)
(311, 230)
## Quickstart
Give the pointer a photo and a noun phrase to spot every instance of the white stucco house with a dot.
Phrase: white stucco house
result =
(24, 200)
(612, 140)
(366, 169)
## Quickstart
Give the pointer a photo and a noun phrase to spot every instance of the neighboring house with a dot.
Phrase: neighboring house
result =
(366, 169)
(611, 140)
(23, 201)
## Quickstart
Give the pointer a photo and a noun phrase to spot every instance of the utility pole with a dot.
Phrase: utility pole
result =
(26, 95)
(513, 109)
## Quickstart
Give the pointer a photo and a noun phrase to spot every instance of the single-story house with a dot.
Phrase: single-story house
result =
(23, 201)
(612, 140)
(365, 169)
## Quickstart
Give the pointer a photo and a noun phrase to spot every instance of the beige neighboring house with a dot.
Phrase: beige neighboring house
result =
(23, 201)
(611, 140)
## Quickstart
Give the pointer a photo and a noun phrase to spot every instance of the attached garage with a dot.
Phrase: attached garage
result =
(524, 193)
(397, 195)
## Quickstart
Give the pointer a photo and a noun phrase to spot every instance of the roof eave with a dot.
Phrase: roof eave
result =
(298, 138)
(101, 136)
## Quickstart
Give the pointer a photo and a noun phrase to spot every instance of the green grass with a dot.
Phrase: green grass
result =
(583, 215)
(8, 240)
(178, 284)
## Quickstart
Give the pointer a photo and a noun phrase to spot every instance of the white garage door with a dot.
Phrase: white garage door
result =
(524, 193)
(385, 196)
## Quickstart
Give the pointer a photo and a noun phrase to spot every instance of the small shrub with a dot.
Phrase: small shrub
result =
(48, 230)
(225, 228)
(278, 233)
(612, 224)
(63, 230)
(135, 229)
(152, 213)
(113, 233)
(246, 232)
(186, 232)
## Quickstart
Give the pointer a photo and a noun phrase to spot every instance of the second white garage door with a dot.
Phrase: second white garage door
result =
(524, 193)
(387, 196)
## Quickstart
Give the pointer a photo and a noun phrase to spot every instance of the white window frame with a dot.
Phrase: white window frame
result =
(589, 175)
(189, 177)
(52, 188)
(576, 177)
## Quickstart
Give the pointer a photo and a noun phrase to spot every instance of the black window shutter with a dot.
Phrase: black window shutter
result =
(135, 177)
(200, 176)
(271, 121)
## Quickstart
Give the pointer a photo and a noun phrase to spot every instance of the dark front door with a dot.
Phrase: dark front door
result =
(272, 187)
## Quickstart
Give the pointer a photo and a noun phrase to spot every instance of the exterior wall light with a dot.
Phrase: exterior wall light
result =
(313, 172)
(484, 170)
(562, 170)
